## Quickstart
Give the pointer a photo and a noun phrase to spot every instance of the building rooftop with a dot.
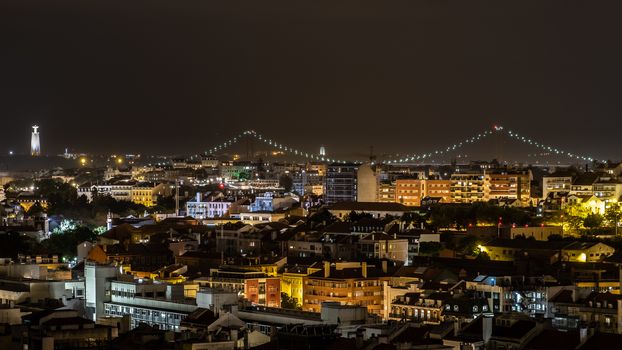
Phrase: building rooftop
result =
(369, 206)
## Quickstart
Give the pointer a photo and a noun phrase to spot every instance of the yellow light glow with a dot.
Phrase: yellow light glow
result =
(582, 257)
(83, 161)
(119, 160)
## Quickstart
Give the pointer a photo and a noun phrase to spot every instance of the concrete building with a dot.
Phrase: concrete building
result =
(147, 193)
(410, 191)
(383, 246)
(207, 209)
(510, 185)
(469, 187)
(556, 182)
(367, 184)
(97, 279)
(347, 283)
(386, 192)
(256, 287)
(158, 304)
(64, 329)
(377, 210)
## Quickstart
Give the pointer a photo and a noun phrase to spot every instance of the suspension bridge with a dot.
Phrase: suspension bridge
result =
(409, 158)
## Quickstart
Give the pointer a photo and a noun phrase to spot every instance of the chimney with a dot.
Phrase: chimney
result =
(384, 266)
(198, 197)
(583, 334)
(359, 338)
(364, 269)
(326, 269)
(486, 329)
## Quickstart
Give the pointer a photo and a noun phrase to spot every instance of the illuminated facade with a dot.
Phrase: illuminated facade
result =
(510, 185)
(386, 192)
(556, 182)
(469, 188)
(147, 193)
(510, 250)
(346, 283)
(411, 191)
(35, 145)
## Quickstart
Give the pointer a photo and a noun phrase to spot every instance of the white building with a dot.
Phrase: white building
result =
(158, 304)
(97, 287)
(200, 209)
(556, 182)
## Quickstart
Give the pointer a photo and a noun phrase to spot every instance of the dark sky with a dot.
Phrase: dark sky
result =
(178, 76)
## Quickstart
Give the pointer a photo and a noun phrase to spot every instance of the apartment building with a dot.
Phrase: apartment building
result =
(469, 187)
(340, 183)
(349, 284)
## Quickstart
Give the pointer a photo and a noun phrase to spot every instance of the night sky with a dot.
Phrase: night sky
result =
(179, 76)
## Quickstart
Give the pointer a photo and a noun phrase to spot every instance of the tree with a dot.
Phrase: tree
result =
(613, 214)
(288, 302)
(593, 220)
(354, 216)
(66, 243)
(482, 256)
(574, 216)
(429, 248)
(286, 182)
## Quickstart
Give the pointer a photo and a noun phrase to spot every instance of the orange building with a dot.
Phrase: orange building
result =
(349, 284)
(410, 192)
(263, 291)
(510, 185)
(439, 189)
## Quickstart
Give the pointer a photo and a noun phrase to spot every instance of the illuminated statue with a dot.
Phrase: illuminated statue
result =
(35, 146)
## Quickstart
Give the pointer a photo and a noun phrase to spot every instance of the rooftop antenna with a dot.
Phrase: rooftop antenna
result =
(176, 197)
(372, 156)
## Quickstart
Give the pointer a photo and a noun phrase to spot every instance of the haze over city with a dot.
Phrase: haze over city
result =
(404, 77)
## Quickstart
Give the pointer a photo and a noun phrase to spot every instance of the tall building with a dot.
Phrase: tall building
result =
(340, 183)
(367, 184)
(35, 145)
(322, 151)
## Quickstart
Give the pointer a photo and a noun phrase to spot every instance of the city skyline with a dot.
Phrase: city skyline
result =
(502, 140)
(308, 74)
